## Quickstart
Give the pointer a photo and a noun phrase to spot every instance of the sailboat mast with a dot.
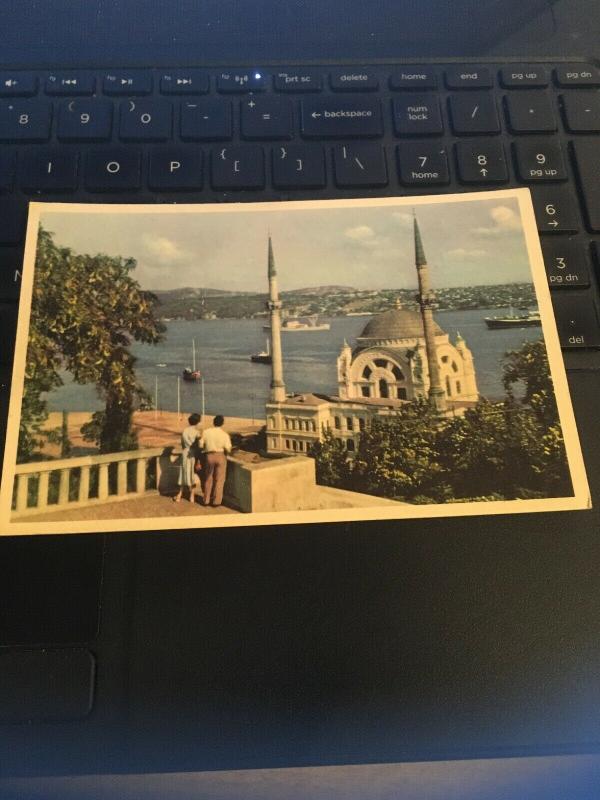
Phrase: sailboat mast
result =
(193, 355)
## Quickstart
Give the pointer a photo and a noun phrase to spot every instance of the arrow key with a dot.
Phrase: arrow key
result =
(555, 209)
(481, 161)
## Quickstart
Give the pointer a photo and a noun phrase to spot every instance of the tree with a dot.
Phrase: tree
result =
(85, 313)
(333, 465)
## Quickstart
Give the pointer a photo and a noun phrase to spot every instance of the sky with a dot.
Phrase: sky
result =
(466, 244)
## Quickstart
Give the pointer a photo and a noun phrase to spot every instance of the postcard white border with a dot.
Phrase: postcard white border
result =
(580, 500)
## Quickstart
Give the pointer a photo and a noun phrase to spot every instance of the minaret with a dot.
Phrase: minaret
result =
(437, 395)
(277, 394)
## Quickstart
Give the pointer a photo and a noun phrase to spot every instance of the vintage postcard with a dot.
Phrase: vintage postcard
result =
(197, 366)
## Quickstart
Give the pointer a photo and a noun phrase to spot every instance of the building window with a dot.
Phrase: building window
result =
(444, 359)
(313, 427)
(337, 422)
(383, 388)
(273, 441)
(287, 444)
(398, 374)
(287, 423)
(402, 394)
(350, 445)
(301, 446)
(458, 387)
(365, 391)
(361, 424)
(350, 423)
(381, 362)
(294, 444)
(454, 367)
(448, 387)
(367, 372)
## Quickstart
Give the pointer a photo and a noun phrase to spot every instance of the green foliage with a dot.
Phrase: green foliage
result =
(85, 312)
(507, 450)
(333, 466)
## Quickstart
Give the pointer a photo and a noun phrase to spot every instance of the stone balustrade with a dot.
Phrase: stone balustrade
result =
(86, 480)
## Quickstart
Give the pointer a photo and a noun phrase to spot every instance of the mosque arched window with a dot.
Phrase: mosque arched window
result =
(444, 359)
(350, 445)
(383, 388)
(367, 372)
(454, 367)
(365, 391)
(458, 387)
(448, 387)
(402, 395)
(381, 362)
(397, 373)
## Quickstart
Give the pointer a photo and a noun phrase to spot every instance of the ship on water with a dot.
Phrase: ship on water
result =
(308, 324)
(531, 319)
(264, 357)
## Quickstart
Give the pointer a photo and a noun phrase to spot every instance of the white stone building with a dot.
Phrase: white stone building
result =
(389, 366)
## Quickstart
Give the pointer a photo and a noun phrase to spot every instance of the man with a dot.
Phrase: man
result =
(217, 445)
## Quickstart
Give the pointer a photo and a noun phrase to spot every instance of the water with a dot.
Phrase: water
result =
(234, 386)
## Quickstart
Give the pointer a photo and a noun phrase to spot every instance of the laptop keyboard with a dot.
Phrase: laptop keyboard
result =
(194, 135)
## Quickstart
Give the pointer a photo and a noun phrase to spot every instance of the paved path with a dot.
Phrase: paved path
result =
(150, 505)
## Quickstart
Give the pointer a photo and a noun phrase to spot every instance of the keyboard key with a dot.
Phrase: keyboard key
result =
(481, 161)
(241, 82)
(85, 120)
(238, 168)
(13, 215)
(175, 169)
(51, 169)
(7, 169)
(524, 76)
(469, 78)
(76, 83)
(555, 209)
(582, 111)
(303, 80)
(113, 170)
(422, 164)
(25, 121)
(8, 331)
(11, 265)
(418, 78)
(417, 115)
(353, 79)
(587, 159)
(18, 84)
(576, 319)
(298, 167)
(530, 112)
(133, 82)
(474, 113)
(566, 263)
(206, 120)
(577, 75)
(540, 160)
(266, 118)
(341, 118)
(145, 120)
(360, 165)
(191, 81)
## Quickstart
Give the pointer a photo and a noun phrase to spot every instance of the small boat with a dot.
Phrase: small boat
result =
(296, 325)
(161, 365)
(192, 374)
(264, 357)
(530, 320)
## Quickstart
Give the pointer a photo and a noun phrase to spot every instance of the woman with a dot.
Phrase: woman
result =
(189, 446)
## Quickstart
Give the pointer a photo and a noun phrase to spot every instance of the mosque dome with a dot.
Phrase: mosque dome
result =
(396, 323)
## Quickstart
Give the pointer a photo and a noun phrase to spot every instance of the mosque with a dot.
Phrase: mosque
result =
(401, 356)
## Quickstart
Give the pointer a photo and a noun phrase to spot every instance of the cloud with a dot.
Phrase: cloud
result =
(360, 233)
(505, 220)
(461, 252)
(162, 249)
(406, 220)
